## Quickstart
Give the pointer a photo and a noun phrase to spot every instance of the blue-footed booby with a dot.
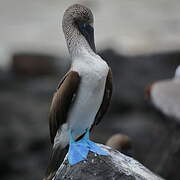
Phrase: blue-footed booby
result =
(82, 96)
(165, 95)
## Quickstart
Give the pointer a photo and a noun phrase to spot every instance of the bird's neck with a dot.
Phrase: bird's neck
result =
(80, 48)
(78, 45)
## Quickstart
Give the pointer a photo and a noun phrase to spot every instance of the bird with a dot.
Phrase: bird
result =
(165, 95)
(83, 95)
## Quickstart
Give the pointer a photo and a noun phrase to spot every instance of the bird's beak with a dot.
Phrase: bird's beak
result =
(87, 31)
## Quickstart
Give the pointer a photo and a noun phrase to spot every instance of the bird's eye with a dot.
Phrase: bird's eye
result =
(86, 27)
(83, 26)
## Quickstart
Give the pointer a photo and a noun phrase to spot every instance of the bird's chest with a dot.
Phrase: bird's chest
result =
(89, 97)
(93, 75)
(93, 82)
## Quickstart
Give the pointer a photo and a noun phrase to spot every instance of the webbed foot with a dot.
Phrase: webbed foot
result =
(78, 150)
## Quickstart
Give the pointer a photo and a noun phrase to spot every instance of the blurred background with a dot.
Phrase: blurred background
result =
(139, 39)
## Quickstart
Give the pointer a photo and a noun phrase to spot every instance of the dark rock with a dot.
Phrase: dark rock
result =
(131, 74)
(29, 64)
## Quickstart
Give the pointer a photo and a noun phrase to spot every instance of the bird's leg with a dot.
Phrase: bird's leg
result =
(78, 151)
(92, 146)
(86, 136)
(71, 139)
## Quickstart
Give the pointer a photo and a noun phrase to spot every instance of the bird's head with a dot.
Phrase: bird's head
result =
(78, 22)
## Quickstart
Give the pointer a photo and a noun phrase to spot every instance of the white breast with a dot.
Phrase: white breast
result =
(93, 72)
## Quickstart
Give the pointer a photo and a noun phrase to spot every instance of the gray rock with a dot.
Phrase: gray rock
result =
(116, 166)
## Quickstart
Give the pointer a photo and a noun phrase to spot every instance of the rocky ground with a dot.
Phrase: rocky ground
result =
(115, 166)
(25, 99)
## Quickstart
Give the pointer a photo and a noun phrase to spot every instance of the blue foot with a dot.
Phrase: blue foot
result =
(93, 147)
(78, 150)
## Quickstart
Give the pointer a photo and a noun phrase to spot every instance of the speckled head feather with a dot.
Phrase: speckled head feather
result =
(74, 16)
(78, 13)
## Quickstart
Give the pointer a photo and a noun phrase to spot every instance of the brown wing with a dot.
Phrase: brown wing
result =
(62, 100)
(106, 99)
